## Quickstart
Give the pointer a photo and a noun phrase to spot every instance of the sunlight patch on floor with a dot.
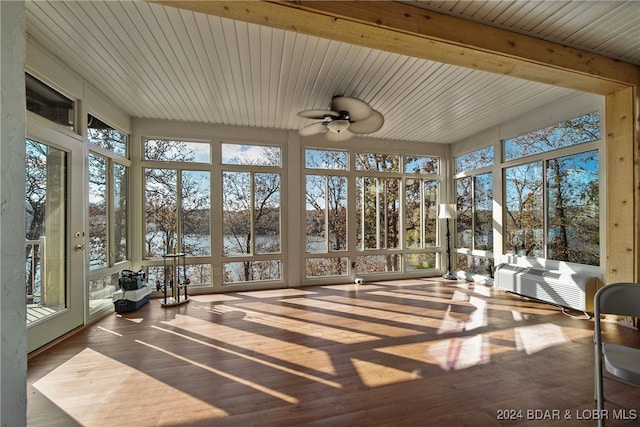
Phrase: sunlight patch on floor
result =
(131, 319)
(90, 385)
(276, 293)
(213, 298)
(253, 359)
(450, 354)
(307, 357)
(401, 283)
(465, 313)
(372, 328)
(310, 329)
(377, 310)
(377, 375)
(352, 287)
(460, 353)
(351, 309)
(413, 294)
(251, 384)
(483, 290)
(534, 338)
(109, 331)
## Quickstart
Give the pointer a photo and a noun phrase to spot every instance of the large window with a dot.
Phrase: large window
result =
(326, 213)
(524, 200)
(474, 204)
(552, 204)
(573, 208)
(392, 213)
(421, 195)
(177, 212)
(108, 186)
(241, 240)
(177, 188)
(377, 210)
(420, 219)
(251, 204)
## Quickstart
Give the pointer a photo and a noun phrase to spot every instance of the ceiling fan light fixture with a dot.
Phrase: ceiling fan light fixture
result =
(338, 126)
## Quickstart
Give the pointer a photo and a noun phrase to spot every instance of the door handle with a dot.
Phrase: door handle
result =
(78, 248)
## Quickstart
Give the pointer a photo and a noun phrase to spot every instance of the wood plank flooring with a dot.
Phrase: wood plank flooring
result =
(420, 352)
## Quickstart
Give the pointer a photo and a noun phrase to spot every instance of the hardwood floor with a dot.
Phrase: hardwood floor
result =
(423, 352)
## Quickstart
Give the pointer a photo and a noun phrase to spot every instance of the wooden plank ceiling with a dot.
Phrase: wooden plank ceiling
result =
(607, 28)
(160, 62)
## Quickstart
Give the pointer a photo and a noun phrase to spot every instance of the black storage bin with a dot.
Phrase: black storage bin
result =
(131, 280)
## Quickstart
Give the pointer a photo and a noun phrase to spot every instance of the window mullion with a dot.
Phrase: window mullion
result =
(178, 243)
(326, 213)
(473, 213)
(111, 233)
(423, 215)
(252, 208)
(379, 220)
(545, 209)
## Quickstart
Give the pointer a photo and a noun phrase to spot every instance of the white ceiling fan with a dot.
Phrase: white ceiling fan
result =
(348, 116)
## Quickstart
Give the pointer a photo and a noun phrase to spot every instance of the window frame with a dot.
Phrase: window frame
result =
(425, 257)
(110, 271)
(253, 169)
(543, 158)
(484, 257)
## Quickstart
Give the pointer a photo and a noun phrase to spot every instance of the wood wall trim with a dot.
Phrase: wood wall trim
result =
(622, 194)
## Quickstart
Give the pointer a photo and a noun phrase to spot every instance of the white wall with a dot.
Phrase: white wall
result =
(13, 346)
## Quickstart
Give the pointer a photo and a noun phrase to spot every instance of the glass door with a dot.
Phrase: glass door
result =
(55, 238)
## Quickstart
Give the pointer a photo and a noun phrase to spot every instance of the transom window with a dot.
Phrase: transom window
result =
(49, 103)
(177, 151)
(579, 130)
(103, 135)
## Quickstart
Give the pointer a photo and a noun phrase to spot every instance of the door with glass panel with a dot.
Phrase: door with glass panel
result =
(55, 240)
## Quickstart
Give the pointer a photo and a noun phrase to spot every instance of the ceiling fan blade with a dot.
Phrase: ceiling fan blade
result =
(358, 110)
(368, 125)
(342, 136)
(317, 114)
(313, 129)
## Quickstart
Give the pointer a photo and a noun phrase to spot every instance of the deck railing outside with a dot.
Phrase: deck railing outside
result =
(35, 268)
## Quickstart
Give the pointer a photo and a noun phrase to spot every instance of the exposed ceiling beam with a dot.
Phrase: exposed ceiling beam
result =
(412, 31)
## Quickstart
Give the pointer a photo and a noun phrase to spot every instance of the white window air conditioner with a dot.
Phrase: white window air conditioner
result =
(573, 290)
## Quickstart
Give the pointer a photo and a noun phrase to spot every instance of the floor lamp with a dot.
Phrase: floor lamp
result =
(448, 212)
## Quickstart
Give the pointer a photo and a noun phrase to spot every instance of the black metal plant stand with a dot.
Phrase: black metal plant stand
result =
(172, 280)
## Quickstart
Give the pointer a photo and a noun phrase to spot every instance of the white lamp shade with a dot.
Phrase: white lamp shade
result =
(338, 126)
(447, 211)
